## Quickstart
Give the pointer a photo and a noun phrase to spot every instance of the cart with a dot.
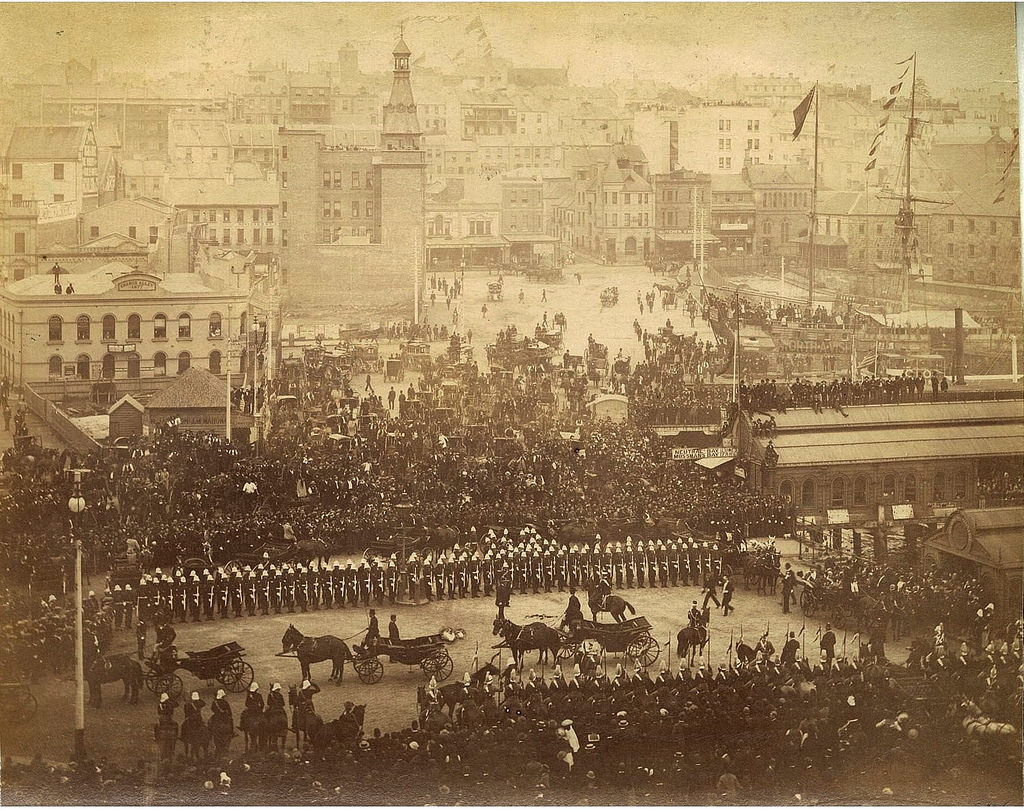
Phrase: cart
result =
(394, 370)
(632, 637)
(415, 355)
(222, 663)
(429, 652)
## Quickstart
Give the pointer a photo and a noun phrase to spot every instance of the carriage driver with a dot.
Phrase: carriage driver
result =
(165, 652)
(372, 630)
(573, 611)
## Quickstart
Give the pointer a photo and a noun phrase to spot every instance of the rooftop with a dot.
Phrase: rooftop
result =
(33, 143)
(195, 388)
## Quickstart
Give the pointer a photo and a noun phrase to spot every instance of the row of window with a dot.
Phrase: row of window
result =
(334, 208)
(642, 199)
(634, 221)
(895, 489)
(333, 179)
(83, 365)
(257, 236)
(753, 125)
(225, 215)
(681, 195)
(83, 327)
(786, 199)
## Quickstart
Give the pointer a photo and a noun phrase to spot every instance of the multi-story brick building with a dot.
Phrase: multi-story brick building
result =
(309, 99)
(488, 114)
(356, 213)
(733, 215)
(678, 197)
(782, 200)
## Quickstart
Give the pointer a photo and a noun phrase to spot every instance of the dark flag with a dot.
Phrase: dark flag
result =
(895, 88)
(800, 113)
(889, 103)
(870, 166)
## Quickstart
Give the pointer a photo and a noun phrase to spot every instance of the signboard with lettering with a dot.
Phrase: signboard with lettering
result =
(120, 348)
(683, 454)
(135, 284)
(902, 512)
(57, 212)
(838, 516)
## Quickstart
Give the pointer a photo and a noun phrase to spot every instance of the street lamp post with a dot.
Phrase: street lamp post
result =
(76, 505)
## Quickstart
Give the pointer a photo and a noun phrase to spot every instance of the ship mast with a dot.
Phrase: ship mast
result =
(905, 217)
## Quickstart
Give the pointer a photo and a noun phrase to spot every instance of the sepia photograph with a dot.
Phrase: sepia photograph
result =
(510, 404)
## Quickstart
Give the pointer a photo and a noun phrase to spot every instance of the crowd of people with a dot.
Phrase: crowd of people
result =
(761, 728)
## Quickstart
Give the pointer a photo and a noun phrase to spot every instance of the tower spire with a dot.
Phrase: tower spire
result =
(401, 126)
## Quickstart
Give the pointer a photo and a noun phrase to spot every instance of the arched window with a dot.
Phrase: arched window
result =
(56, 328)
(860, 491)
(889, 487)
(159, 364)
(630, 246)
(83, 327)
(184, 361)
(56, 366)
(108, 367)
(960, 485)
(838, 492)
(786, 489)
(184, 326)
(242, 324)
(134, 365)
(82, 364)
(159, 327)
(109, 328)
(939, 487)
(214, 325)
(807, 499)
(134, 328)
(910, 488)
(215, 362)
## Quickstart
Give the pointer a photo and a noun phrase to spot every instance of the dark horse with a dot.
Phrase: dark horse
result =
(691, 641)
(311, 649)
(608, 604)
(105, 669)
(521, 638)
(343, 732)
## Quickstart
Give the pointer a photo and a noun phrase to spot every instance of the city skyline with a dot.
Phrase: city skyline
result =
(958, 45)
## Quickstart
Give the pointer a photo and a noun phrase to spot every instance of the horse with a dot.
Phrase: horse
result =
(312, 649)
(195, 734)
(105, 669)
(691, 641)
(253, 726)
(608, 604)
(745, 653)
(274, 728)
(344, 731)
(521, 638)
(222, 730)
(977, 725)
(303, 722)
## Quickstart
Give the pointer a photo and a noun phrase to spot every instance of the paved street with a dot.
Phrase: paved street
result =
(117, 730)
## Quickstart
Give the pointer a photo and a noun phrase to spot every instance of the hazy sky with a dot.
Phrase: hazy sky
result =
(958, 44)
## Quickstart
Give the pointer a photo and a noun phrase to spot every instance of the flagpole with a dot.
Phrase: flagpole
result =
(814, 208)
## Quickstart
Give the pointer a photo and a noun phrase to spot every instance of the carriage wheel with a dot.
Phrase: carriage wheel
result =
(369, 669)
(169, 683)
(807, 603)
(569, 650)
(236, 676)
(644, 649)
(438, 664)
(150, 680)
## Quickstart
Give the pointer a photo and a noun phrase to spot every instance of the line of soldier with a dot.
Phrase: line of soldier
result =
(264, 589)
(526, 561)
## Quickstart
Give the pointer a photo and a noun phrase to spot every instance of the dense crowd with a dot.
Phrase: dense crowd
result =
(772, 395)
(759, 730)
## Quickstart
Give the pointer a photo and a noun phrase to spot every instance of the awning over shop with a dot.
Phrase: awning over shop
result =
(712, 463)
(520, 238)
(684, 236)
(478, 241)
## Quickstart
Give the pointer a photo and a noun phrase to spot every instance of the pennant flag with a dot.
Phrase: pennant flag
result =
(895, 88)
(802, 627)
(800, 113)
(870, 166)
(889, 103)
(907, 59)
(832, 68)
(817, 634)
(883, 123)
(905, 71)
(1000, 197)
(874, 149)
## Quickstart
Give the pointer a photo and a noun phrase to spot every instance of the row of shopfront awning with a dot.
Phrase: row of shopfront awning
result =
(489, 240)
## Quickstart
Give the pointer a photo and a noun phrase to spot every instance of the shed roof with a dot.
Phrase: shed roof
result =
(195, 388)
(34, 143)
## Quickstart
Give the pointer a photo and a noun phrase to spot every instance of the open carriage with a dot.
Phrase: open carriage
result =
(222, 663)
(429, 652)
(494, 291)
(551, 337)
(632, 637)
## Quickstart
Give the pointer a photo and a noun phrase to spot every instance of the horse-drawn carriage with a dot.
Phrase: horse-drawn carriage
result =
(394, 370)
(429, 652)
(596, 358)
(494, 291)
(222, 663)
(365, 357)
(632, 637)
(609, 297)
(838, 604)
(415, 355)
(551, 337)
